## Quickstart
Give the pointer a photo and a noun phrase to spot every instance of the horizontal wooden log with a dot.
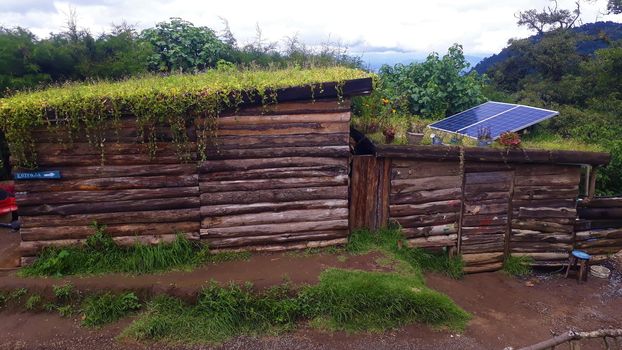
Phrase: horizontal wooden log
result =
(482, 239)
(542, 226)
(489, 177)
(261, 163)
(303, 151)
(544, 256)
(473, 189)
(426, 220)
(483, 268)
(524, 247)
(267, 207)
(425, 196)
(424, 184)
(545, 213)
(133, 217)
(608, 233)
(604, 224)
(274, 218)
(600, 242)
(278, 195)
(603, 250)
(546, 169)
(425, 208)
(433, 241)
(34, 198)
(112, 183)
(272, 173)
(413, 232)
(291, 107)
(275, 239)
(283, 119)
(404, 169)
(269, 229)
(483, 258)
(545, 192)
(602, 202)
(79, 232)
(111, 207)
(486, 207)
(270, 141)
(601, 213)
(266, 184)
(551, 203)
(484, 230)
(286, 246)
(477, 196)
(478, 167)
(111, 159)
(534, 236)
(484, 220)
(547, 180)
(31, 248)
(489, 247)
(284, 128)
(108, 171)
(111, 148)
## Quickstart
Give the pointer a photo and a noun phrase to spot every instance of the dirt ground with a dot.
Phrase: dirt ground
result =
(506, 311)
(9, 247)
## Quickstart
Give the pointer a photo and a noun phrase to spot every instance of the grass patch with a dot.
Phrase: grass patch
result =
(517, 265)
(388, 240)
(543, 140)
(105, 308)
(343, 300)
(33, 302)
(101, 254)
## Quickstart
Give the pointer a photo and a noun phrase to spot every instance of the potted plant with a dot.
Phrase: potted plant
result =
(510, 140)
(389, 134)
(415, 132)
(484, 138)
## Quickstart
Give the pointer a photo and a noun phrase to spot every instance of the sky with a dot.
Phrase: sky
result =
(367, 28)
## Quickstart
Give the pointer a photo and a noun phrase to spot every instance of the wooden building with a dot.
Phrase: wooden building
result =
(482, 203)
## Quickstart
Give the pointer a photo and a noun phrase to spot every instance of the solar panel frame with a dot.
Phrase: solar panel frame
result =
(464, 130)
(456, 117)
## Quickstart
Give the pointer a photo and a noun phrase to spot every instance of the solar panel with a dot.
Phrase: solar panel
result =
(499, 117)
(472, 116)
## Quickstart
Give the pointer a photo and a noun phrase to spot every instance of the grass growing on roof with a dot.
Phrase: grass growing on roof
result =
(172, 101)
(101, 254)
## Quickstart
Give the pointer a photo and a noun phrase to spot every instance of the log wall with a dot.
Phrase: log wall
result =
(278, 181)
(138, 197)
(600, 231)
(425, 200)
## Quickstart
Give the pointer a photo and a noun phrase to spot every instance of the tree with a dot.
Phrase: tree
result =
(614, 7)
(550, 18)
(180, 46)
(18, 68)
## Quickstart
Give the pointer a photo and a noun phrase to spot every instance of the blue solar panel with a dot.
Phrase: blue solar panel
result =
(514, 119)
(472, 116)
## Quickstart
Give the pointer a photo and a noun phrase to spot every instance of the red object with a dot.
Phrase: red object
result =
(7, 198)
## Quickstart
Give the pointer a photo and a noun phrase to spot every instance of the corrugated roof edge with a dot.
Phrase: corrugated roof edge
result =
(481, 154)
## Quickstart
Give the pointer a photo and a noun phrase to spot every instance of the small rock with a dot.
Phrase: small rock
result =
(529, 284)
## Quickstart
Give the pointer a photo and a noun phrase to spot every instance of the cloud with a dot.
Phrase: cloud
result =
(481, 26)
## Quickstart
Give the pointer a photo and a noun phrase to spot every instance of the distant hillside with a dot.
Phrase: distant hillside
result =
(598, 34)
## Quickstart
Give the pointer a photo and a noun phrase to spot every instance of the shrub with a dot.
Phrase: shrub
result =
(517, 265)
(105, 308)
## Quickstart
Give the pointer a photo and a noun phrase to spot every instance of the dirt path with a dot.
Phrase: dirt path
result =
(9, 248)
(506, 311)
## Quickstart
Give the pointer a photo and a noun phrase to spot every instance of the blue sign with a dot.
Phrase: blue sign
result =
(38, 175)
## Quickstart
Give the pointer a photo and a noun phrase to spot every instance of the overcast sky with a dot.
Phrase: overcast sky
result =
(420, 26)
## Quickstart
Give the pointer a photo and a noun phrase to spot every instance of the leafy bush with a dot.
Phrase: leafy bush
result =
(102, 309)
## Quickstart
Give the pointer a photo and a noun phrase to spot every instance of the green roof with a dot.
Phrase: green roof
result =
(152, 99)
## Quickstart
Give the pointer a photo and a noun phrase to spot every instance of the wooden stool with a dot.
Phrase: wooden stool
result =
(583, 259)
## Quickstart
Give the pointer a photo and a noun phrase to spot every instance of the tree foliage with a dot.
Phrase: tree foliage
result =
(434, 88)
(550, 18)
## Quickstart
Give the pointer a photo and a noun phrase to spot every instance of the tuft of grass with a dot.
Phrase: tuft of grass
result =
(33, 302)
(219, 314)
(101, 254)
(364, 301)
(388, 240)
(517, 265)
(63, 292)
(105, 308)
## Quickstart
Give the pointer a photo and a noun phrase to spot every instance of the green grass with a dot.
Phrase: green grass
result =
(63, 292)
(542, 140)
(517, 265)
(342, 300)
(33, 302)
(101, 254)
(387, 240)
(105, 308)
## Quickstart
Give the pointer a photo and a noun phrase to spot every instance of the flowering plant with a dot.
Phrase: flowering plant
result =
(510, 139)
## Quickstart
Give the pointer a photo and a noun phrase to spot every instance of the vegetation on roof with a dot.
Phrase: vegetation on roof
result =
(170, 101)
